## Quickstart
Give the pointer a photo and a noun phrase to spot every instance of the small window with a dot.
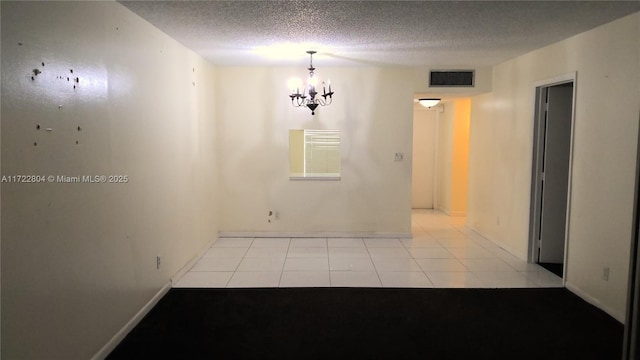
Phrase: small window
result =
(314, 154)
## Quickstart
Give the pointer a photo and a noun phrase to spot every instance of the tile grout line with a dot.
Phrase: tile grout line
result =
(328, 261)
(235, 271)
(413, 258)
(286, 256)
(373, 262)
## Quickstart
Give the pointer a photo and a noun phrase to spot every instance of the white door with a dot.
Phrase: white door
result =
(555, 172)
(424, 147)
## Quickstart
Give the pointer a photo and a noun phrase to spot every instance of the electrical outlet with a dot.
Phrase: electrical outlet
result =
(605, 274)
(157, 262)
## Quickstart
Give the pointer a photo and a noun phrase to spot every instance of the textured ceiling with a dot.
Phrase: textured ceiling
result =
(347, 33)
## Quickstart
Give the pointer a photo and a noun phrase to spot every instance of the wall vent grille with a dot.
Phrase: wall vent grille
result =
(457, 78)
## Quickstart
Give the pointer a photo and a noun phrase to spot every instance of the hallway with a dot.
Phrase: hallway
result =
(441, 254)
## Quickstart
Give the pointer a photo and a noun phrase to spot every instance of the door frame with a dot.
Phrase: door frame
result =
(630, 348)
(537, 139)
(436, 140)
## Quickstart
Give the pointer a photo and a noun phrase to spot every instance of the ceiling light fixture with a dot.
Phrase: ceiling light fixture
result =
(301, 99)
(429, 102)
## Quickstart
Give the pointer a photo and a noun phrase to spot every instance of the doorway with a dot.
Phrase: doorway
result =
(550, 193)
(423, 182)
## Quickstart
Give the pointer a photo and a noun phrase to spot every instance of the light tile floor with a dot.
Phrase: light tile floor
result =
(442, 254)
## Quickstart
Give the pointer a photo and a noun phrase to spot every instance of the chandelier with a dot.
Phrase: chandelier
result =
(308, 98)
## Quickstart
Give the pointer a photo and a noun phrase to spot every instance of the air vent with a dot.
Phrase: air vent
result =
(451, 78)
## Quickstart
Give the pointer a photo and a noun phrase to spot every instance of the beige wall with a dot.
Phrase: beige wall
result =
(606, 60)
(373, 109)
(460, 157)
(453, 157)
(79, 260)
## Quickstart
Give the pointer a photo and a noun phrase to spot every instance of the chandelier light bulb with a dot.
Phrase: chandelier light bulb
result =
(295, 85)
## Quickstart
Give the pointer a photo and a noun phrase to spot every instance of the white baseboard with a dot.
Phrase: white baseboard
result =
(327, 234)
(120, 335)
(571, 287)
(595, 302)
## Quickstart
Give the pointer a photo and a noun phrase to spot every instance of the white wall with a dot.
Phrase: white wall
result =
(607, 62)
(372, 108)
(445, 157)
(79, 260)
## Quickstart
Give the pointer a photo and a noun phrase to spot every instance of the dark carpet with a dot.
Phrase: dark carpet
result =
(373, 323)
